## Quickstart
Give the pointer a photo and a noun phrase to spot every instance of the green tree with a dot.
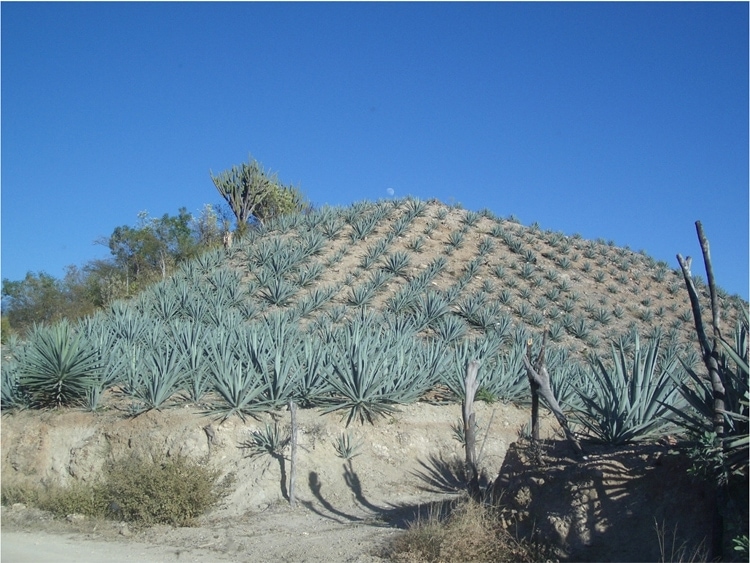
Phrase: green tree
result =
(153, 247)
(254, 193)
(38, 298)
(209, 227)
(43, 299)
(140, 255)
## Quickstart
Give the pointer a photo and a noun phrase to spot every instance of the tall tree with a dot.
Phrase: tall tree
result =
(154, 246)
(254, 193)
(38, 298)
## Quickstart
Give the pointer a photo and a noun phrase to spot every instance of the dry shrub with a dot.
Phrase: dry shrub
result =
(161, 491)
(144, 491)
(13, 492)
(470, 533)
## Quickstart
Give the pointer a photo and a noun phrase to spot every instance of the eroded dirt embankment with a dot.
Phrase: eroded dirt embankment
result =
(345, 511)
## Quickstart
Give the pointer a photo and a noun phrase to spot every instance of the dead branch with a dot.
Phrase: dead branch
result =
(541, 378)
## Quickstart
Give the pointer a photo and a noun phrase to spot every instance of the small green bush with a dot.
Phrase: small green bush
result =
(163, 491)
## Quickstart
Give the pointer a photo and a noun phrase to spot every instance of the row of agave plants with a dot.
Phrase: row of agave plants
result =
(363, 367)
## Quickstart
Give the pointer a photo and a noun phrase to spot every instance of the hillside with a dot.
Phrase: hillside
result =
(367, 314)
(455, 273)
(440, 284)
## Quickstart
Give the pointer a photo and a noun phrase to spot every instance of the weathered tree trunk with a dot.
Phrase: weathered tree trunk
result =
(538, 375)
(534, 396)
(293, 456)
(469, 420)
(709, 350)
(711, 353)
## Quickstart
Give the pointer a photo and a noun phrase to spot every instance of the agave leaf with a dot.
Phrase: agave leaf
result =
(632, 400)
(58, 367)
(232, 375)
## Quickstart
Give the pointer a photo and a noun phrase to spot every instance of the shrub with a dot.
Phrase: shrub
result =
(470, 532)
(77, 498)
(171, 491)
(150, 491)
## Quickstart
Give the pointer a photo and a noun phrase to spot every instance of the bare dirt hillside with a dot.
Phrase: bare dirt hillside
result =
(346, 511)
(601, 508)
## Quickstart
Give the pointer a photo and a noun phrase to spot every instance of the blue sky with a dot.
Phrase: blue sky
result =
(625, 122)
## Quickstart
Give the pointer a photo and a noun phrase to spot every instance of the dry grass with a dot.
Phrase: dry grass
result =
(471, 532)
(674, 551)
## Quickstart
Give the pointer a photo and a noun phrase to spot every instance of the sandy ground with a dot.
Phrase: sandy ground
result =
(279, 534)
(42, 547)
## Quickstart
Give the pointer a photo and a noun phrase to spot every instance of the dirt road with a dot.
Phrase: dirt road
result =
(42, 547)
(30, 536)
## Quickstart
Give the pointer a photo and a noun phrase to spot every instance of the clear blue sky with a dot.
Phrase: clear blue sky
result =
(625, 122)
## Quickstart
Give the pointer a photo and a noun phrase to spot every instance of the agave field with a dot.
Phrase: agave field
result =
(363, 308)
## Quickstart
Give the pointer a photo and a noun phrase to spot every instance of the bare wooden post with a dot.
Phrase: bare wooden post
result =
(227, 240)
(469, 420)
(293, 460)
(711, 354)
(709, 350)
(540, 376)
(534, 396)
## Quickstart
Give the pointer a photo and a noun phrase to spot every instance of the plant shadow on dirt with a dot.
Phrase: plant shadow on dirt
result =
(439, 476)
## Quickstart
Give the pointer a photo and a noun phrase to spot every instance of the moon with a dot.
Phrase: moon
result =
(390, 191)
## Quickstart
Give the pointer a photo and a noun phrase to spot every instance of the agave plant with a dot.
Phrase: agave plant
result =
(153, 369)
(397, 263)
(312, 381)
(628, 402)
(400, 227)
(97, 330)
(403, 301)
(209, 260)
(278, 359)
(483, 349)
(358, 363)
(373, 369)
(345, 446)
(450, 329)
(415, 207)
(12, 396)
(268, 441)
(430, 308)
(331, 223)
(279, 292)
(361, 295)
(189, 341)
(306, 276)
(232, 377)
(697, 391)
(58, 366)
(126, 323)
(362, 227)
(163, 302)
(455, 240)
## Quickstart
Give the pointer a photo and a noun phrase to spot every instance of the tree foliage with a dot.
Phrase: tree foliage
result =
(256, 194)
(42, 298)
(154, 244)
(140, 255)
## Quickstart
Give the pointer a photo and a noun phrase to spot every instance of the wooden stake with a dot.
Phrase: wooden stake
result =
(469, 420)
(293, 460)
